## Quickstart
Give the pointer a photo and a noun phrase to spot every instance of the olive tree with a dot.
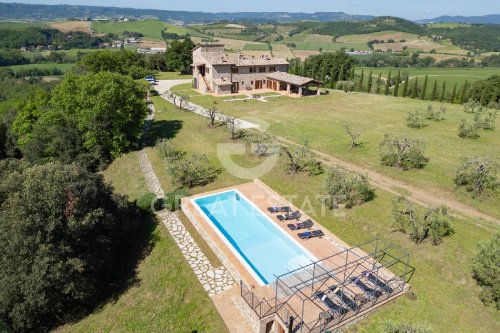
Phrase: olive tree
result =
(211, 114)
(346, 86)
(347, 188)
(486, 270)
(415, 119)
(435, 223)
(402, 152)
(354, 134)
(477, 175)
(468, 130)
(262, 141)
(435, 114)
(183, 100)
(472, 106)
(232, 125)
(300, 158)
(167, 150)
(485, 119)
(193, 170)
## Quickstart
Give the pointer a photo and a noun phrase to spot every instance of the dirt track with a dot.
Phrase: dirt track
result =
(394, 186)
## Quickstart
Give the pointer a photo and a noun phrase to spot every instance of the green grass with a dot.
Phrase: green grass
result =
(7, 25)
(172, 76)
(448, 25)
(62, 67)
(447, 297)
(167, 296)
(450, 75)
(320, 120)
(149, 28)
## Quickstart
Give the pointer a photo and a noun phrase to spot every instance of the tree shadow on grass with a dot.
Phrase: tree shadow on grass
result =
(162, 129)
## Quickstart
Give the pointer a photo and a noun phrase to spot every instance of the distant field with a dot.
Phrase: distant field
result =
(329, 46)
(62, 67)
(382, 35)
(450, 75)
(149, 28)
(69, 26)
(448, 25)
(256, 47)
(21, 25)
(319, 38)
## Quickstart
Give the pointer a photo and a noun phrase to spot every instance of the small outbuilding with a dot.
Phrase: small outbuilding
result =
(293, 84)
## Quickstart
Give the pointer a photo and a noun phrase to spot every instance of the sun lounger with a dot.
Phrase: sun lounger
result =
(291, 216)
(377, 281)
(311, 234)
(284, 209)
(335, 308)
(344, 298)
(372, 293)
(302, 225)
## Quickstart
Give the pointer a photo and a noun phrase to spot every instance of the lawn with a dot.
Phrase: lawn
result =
(172, 76)
(450, 75)
(167, 296)
(321, 119)
(446, 296)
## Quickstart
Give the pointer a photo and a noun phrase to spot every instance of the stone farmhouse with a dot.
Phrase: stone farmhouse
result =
(218, 73)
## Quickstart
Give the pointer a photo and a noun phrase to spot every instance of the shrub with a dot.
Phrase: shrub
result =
(349, 189)
(149, 202)
(193, 170)
(346, 86)
(172, 200)
(403, 153)
(434, 224)
(415, 120)
(467, 130)
(477, 175)
(486, 271)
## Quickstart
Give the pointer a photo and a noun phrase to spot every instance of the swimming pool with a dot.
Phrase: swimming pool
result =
(262, 247)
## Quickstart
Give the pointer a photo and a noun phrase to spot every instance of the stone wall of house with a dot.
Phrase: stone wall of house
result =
(247, 79)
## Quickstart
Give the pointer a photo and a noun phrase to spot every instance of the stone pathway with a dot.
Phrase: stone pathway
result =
(214, 280)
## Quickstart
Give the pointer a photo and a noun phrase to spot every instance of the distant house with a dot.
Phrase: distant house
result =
(215, 72)
(151, 50)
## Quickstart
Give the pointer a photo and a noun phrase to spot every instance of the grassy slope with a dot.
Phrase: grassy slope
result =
(320, 120)
(149, 28)
(167, 296)
(447, 298)
(450, 75)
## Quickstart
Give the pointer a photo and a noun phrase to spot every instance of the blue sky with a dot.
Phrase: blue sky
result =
(415, 9)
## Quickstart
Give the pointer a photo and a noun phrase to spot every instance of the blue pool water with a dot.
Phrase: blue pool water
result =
(260, 244)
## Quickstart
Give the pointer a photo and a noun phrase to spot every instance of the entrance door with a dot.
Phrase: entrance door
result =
(258, 84)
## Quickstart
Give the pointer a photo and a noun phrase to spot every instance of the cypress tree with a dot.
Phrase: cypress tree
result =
(296, 67)
(461, 98)
(370, 83)
(483, 97)
(351, 77)
(453, 93)
(414, 93)
(424, 87)
(323, 72)
(387, 84)
(379, 83)
(342, 73)
(332, 80)
(304, 69)
(360, 84)
(396, 85)
(434, 91)
(405, 86)
(443, 91)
